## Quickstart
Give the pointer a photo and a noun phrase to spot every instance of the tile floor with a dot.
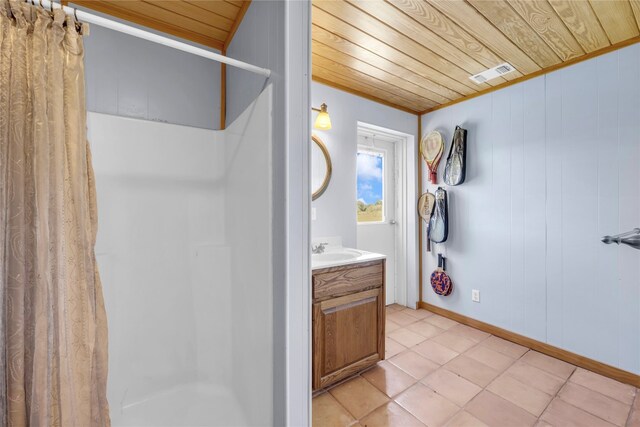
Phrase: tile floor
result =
(438, 372)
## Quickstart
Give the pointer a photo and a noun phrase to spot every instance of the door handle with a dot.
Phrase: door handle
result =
(392, 222)
(630, 238)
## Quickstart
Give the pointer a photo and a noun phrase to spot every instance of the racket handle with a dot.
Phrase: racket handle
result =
(434, 177)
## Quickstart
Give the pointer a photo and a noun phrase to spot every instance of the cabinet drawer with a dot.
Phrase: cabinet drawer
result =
(337, 281)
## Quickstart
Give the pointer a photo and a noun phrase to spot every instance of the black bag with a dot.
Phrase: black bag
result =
(439, 222)
(455, 169)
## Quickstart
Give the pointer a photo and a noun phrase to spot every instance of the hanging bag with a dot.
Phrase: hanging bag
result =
(439, 222)
(440, 280)
(455, 168)
(425, 208)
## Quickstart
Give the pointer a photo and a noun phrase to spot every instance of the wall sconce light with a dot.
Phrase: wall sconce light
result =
(323, 121)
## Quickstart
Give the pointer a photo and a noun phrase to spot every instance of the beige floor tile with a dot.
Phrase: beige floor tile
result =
(528, 398)
(603, 385)
(358, 396)
(453, 387)
(508, 348)
(406, 337)
(454, 341)
(441, 322)
(634, 419)
(560, 413)
(388, 378)
(427, 405)
(476, 372)
(636, 403)
(546, 363)
(327, 412)
(542, 423)
(390, 326)
(595, 403)
(535, 377)
(469, 332)
(418, 314)
(401, 318)
(496, 411)
(391, 348)
(391, 415)
(425, 329)
(435, 352)
(493, 359)
(394, 307)
(414, 364)
(465, 419)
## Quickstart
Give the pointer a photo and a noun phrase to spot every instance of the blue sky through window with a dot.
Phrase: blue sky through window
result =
(369, 177)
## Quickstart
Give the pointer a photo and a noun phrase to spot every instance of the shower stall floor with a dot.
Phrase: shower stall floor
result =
(195, 404)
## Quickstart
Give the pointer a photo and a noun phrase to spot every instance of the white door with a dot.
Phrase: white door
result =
(377, 203)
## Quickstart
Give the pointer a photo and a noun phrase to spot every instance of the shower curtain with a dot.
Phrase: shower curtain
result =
(53, 333)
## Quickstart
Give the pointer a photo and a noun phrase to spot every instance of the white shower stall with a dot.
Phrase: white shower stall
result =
(185, 255)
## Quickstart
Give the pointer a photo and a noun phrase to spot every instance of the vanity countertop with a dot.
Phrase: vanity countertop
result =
(338, 256)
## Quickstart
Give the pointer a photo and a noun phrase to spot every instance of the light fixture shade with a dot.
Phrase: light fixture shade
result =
(323, 121)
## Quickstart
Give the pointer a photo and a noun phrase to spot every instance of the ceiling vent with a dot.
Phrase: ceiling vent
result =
(492, 73)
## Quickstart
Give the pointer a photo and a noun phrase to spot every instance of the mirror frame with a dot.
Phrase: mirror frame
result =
(327, 159)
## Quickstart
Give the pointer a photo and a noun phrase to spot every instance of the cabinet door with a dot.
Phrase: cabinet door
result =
(348, 335)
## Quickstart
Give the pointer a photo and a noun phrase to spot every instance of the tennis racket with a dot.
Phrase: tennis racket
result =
(431, 148)
(425, 208)
(440, 280)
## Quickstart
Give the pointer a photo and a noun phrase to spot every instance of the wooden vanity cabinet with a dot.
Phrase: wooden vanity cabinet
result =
(348, 320)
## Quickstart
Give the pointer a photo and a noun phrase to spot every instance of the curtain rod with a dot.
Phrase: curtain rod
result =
(155, 38)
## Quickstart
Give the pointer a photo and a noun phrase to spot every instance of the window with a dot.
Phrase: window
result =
(370, 172)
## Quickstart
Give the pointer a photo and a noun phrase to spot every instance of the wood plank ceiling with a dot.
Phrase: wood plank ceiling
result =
(208, 22)
(418, 55)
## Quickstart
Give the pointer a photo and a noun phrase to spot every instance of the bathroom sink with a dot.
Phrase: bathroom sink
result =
(342, 255)
(336, 256)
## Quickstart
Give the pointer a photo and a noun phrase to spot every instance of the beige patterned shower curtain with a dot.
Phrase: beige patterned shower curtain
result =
(53, 332)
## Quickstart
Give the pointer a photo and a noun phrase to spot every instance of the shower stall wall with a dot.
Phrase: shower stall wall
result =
(184, 250)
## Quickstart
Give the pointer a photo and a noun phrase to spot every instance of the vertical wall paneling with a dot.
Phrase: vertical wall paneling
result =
(607, 191)
(629, 206)
(553, 207)
(500, 205)
(516, 164)
(533, 196)
(554, 164)
(579, 130)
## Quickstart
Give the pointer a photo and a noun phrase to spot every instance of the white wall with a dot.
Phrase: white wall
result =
(131, 77)
(336, 208)
(276, 35)
(554, 164)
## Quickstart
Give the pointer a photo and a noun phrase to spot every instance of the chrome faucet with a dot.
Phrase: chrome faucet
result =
(319, 248)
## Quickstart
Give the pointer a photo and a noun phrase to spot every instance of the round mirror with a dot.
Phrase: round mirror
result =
(320, 167)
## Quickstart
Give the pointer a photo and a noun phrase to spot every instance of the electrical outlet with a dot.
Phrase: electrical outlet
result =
(475, 295)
